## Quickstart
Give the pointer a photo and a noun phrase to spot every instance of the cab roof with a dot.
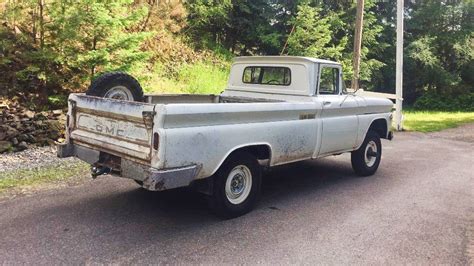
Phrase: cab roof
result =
(282, 59)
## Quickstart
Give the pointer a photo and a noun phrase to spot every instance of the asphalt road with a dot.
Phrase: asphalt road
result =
(418, 209)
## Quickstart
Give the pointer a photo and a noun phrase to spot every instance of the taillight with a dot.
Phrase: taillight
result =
(156, 141)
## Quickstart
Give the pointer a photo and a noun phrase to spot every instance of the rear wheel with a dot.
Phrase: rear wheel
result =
(366, 160)
(236, 186)
(116, 85)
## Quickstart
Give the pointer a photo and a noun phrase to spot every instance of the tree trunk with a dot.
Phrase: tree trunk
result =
(43, 88)
(94, 47)
(41, 22)
(357, 44)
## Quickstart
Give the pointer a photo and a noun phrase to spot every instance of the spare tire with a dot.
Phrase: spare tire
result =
(116, 85)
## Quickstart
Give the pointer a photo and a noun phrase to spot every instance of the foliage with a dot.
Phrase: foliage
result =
(323, 32)
(313, 33)
(202, 78)
(429, 121)
(440, 102)
(57, 101)
(63, 44)
(440, 50)
(243, 27)
(52, 47)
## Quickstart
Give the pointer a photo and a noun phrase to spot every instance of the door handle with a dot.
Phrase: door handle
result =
(326, 103)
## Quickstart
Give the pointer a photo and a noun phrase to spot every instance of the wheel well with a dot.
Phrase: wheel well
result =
(379, 126)
(262, 152)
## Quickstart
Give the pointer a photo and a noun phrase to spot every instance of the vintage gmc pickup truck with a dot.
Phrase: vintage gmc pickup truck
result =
(275, 110)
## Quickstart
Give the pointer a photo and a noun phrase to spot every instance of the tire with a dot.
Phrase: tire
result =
(235, 193)
(116, 85)
(366, 160)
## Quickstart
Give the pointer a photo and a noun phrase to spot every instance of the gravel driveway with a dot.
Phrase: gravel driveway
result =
(417, 209)
(32, 158)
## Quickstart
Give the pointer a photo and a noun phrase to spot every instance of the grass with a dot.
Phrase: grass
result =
(430, 121)
(198, 78)
(32, 177)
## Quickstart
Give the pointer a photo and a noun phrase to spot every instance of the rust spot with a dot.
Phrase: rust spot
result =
(160, 185)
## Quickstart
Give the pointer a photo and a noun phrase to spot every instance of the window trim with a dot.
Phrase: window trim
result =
(260, 66)
(318, 84)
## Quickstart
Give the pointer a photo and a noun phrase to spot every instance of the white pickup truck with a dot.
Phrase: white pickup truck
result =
(275, 110)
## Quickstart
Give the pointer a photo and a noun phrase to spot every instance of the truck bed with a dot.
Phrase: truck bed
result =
(191, 126)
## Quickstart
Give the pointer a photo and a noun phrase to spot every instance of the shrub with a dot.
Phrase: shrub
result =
(440, 102)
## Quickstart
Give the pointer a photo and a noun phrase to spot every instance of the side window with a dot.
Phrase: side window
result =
(267, 75)
(328, 80)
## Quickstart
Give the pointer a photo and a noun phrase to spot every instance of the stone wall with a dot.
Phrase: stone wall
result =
(21, 128)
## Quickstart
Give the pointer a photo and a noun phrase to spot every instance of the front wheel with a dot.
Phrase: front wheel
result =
(366, 160)
(236, 185)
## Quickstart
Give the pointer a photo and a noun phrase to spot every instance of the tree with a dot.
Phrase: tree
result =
(440, 47)
(64, 43)
(312, 35)
(325, 33)
(207, 21)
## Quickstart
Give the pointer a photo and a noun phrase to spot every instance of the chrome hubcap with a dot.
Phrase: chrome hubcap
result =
(371, 153)
(238, 184)
(119, 93)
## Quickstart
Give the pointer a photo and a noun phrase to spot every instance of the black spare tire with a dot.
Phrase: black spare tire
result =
(116, 85)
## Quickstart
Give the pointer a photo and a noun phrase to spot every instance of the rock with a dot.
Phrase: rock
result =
(57, 112)
(30, 138)
(50, 142)
(5, 146)
(54, 125)
(30, 114)
(41, 116)
(22, 127)
(22, 137)
(22, 146)
(62, 118)
(11, 132)
(3, 133)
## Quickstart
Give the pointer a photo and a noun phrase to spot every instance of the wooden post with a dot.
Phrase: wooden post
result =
(357, 43)
(399, 67)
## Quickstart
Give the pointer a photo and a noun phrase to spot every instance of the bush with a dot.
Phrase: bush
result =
(57, 101)
(439, 102)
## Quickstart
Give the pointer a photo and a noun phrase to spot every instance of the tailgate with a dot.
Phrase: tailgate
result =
(121, 128)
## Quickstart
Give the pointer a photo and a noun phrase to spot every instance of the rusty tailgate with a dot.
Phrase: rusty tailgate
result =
(122, 128)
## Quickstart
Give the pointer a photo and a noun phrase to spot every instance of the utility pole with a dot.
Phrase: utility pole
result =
(357, 43)
(399, 67)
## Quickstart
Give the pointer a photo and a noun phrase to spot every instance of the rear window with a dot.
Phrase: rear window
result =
(267, 75)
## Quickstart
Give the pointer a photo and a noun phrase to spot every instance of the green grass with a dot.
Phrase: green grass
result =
(429, 121)
(32, 177)
(198, 78)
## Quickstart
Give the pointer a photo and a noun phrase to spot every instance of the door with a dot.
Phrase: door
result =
(340, 111)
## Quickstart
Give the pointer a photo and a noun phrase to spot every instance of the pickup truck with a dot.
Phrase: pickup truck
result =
(275, 110)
